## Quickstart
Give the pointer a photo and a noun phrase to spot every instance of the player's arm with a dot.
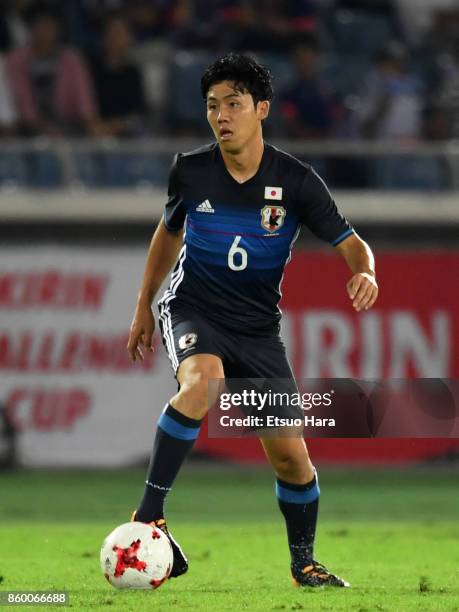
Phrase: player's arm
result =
(162, 254)
(319, 212)
(362, 287)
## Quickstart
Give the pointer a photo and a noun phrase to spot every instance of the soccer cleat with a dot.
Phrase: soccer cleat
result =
(180, 565)
(315, 574)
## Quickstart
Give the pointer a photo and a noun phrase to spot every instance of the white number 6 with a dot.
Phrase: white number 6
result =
(232, 252)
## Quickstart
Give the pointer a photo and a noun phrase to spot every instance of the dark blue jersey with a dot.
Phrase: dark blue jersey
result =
(238, 236)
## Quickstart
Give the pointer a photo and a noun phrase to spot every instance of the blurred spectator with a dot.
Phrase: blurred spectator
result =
(241, 25)
(118, 82)
(308, 108)
(274, 25)
(391, 104)
(302, 15)
(52, 92)
(256, 25)
(150, 19)
(7, 112)
(85, 19)
(211, 24)
(417, 16)
(443, 108)
(13, 27)
(388, 8)
(50, 82)
(443, 35)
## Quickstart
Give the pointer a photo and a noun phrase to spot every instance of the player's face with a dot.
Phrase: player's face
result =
(233, 116)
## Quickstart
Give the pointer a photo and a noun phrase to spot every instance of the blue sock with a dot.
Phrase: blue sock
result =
(299, 504)
(175, 436)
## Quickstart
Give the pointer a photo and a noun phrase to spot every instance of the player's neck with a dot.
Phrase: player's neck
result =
(244, 165)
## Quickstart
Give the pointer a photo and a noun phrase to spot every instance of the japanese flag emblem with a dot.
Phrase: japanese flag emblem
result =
(273, 193)
(272, 217)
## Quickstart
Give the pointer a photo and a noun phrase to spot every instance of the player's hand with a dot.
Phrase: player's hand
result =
(363, 291)
(141, 333)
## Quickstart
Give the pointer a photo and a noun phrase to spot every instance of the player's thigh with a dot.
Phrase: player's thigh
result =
(186, 334)
(289, 458)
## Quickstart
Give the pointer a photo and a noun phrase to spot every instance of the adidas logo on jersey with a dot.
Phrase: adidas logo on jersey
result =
(205, 207)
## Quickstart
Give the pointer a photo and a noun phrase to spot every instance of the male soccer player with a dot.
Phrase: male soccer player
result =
(233, 212)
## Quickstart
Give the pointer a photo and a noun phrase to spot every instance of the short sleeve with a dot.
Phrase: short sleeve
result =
(318, 211)
(175, 212)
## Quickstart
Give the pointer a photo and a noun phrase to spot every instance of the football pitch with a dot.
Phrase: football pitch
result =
(394, 534)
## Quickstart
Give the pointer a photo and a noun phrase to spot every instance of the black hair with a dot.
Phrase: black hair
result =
(247, 74)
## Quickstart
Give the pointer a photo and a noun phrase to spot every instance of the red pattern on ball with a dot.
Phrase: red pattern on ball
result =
(127, 558)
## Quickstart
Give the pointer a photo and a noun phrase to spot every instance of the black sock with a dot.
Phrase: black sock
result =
(175, 436)
(299, 504)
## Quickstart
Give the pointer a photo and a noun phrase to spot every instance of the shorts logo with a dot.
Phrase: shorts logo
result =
(272, 217)
(188, 340)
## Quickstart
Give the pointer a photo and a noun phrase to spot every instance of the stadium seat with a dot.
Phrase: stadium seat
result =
(90, 168)
(12, 170)
(360, 33)
(405, 172)
(281, 68)
(186, 110)
(44, 169)
(121, 169)
(345, 75)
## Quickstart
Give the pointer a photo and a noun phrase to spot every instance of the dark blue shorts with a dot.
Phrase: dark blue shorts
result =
(186, 332)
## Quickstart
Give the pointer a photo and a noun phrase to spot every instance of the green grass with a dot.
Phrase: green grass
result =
(393, 534)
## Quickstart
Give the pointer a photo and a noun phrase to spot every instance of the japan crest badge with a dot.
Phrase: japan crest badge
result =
(272, 217)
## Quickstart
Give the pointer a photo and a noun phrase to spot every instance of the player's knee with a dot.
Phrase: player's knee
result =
(285, 465)
(291, 468)
(197, 380)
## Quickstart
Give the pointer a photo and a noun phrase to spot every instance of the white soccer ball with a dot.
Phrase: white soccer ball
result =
(136, 556)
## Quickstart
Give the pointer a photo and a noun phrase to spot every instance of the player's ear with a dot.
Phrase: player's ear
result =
(263, 109)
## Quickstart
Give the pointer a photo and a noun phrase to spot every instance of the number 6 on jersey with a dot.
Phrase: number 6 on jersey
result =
(235, 249)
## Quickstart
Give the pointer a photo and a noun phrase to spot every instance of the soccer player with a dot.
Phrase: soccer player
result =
(233, 212)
